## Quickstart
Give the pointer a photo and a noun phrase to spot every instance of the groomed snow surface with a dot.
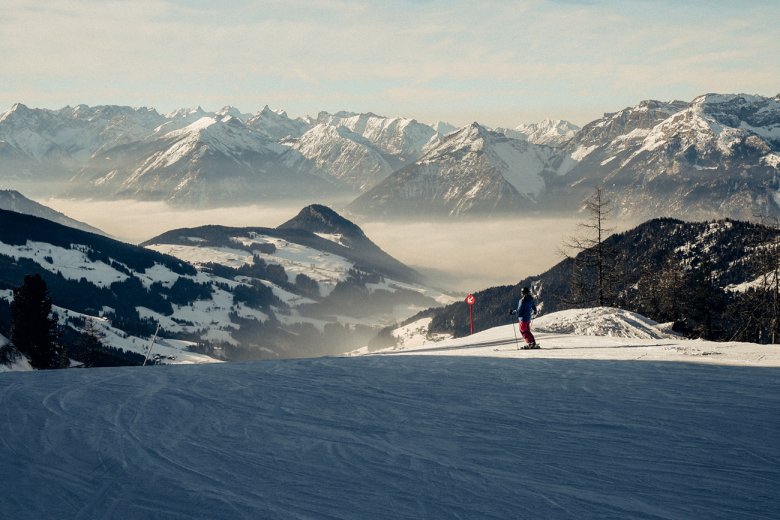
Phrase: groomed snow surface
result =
(584, 428)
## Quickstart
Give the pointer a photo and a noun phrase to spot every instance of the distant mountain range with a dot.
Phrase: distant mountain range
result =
(716, 156)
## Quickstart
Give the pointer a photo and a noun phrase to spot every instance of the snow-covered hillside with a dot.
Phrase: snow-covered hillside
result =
(558, 433)
(330, 260)
(232, 293)
(599, 334)
(161, 351)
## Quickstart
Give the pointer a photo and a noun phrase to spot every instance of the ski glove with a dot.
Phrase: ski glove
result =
(512, 311)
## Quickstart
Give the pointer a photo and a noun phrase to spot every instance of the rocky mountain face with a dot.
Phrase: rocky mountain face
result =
(717, 155)
(276, 125)
(472, 170)
(360, 150)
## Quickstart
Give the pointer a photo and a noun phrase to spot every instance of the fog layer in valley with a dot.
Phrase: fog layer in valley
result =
(459, 255)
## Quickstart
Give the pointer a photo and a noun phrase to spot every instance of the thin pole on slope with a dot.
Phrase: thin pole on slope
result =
(151, 344)
(512, 317)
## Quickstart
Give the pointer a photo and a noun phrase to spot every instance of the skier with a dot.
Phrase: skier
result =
(526, 307)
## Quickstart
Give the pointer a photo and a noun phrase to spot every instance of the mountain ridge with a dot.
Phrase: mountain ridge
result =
(695, 264)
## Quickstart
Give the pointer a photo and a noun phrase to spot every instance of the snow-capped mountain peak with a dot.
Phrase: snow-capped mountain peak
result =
(400, 137)
(471, 170)
(17, 110)
(227, 135)
(720, 124)
(471, 137)
(553, 132)
(276, 125)
(233, 112)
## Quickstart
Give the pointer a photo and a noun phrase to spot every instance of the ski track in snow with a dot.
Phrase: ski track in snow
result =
(392, 437)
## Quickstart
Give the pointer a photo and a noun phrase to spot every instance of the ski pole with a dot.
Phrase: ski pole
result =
(512, 317)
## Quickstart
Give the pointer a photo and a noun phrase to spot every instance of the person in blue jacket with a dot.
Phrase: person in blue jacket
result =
(526, 308)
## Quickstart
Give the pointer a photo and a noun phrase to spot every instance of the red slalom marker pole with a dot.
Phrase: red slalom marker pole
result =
(470, 300)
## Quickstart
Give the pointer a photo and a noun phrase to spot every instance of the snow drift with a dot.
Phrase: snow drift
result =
(601, 321)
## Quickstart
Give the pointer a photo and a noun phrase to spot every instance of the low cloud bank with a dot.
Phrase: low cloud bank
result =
(458, 255)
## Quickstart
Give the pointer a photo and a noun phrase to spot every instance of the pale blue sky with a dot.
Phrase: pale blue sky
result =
(501, 63)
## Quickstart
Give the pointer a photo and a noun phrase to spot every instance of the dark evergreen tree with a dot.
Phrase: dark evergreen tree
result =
(706, 302)
(307, 286)
(33, 329)
(769, 284)
(758, 307)
(91, 344)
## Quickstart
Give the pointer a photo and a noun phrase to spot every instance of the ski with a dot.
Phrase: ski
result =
(516, 349)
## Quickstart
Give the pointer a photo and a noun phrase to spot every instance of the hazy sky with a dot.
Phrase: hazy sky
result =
(496, 62)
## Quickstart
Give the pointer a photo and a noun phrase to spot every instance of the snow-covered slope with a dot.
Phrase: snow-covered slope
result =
(94, 277)
(497, 435)
(595, 334)
(470, 171)
(602, 321)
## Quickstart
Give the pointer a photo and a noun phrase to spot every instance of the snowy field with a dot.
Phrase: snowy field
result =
(586, 428)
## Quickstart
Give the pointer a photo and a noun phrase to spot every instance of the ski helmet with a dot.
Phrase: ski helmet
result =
(526, 290)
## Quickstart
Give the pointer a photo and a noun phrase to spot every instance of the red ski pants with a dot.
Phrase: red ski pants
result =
(525, 330)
